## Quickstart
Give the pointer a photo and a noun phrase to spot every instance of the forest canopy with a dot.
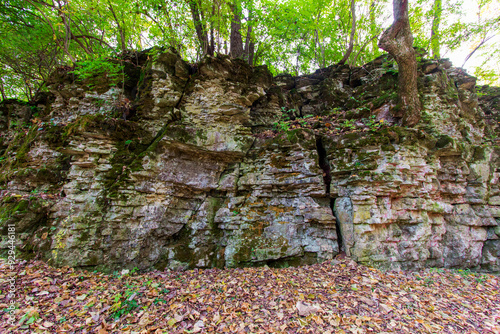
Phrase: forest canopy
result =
(292, 36)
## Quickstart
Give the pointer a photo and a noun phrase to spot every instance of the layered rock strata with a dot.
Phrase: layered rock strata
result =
(208, 170)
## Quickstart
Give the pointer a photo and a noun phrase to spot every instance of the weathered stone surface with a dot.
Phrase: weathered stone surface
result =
(191, 180)
(344, 214)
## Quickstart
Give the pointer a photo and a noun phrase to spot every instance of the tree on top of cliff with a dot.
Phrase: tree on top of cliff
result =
(398, 41)
(293, 36)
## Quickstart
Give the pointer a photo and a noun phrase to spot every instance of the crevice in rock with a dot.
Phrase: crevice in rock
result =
(324, 164)
(340, 239)
(153, 142)
(188, 81)
(175, 118)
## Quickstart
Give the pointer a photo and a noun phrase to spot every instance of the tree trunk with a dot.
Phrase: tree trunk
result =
(2, 90)
(320, 56)
(120, 28)
(246, 50)
(398, 42)
(351, 38)
(249, 42)
(319, 42)
(212, 38)
(251, 52)
(236, 41)
(199, 27)
(373, 25)
(435, 38)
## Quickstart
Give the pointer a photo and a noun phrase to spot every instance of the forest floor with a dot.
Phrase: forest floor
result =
(337, 296)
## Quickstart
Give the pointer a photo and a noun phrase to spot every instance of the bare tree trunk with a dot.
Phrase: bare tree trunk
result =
(199, 27)
(319, 42)
(67, 29)
(212, 38)
(351, 38)
(246, 49)
(435, 38)
(120, 28)
(172, 35)
(373, 25)
(251, 53)
(249, 42)
(398, 42)
(236, 41)
(219, 40)
(2, 90)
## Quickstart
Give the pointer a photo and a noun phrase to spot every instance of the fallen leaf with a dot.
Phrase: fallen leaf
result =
(306, 309)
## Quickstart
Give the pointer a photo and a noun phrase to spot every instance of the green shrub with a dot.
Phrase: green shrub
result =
(96, 70)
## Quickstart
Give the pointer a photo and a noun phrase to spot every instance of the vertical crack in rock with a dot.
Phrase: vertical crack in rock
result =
(340, 239)
(174, 119)
(157, 138)
(324, 164)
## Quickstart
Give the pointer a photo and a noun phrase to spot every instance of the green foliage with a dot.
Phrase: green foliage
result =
(349, 124)
(304, 35)
(126, 303)
(372, 123)
(283, 124)
(99, 70)
(465, 26)
(293, 36)
(390, 67)
(30, 317)
(489, 70)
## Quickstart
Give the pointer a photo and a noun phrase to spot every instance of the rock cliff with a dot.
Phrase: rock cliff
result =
(220, 164)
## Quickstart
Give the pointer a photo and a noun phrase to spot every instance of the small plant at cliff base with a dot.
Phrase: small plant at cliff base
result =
(363, 108)
(99, 103)
(30, 317)
(428, 281)
(467, 273)
(336, 111)
(282, 124)
(124, 304)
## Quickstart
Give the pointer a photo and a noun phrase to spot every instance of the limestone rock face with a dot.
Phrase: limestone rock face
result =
(220, 164)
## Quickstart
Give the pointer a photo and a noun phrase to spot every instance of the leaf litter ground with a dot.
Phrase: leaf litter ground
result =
(339, 296)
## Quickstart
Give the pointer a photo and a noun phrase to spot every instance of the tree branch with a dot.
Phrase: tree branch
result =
(351, 37)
